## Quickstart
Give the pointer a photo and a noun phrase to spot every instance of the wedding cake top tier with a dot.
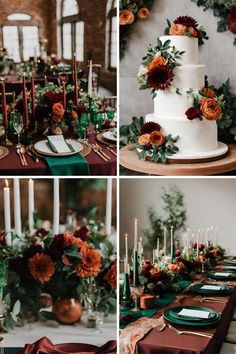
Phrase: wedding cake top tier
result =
(187, 44)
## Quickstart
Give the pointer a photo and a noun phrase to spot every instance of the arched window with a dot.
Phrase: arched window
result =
(72, 31)
(21, 37)
(112, 33)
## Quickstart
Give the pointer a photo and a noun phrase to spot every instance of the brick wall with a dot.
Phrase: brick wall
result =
(43, 13)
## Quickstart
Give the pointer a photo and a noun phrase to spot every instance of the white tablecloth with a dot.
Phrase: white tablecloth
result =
(78, 333)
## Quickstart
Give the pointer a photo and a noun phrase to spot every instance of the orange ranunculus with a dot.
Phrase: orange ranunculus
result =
(173, 267)
(157, 61)
(211, 110)
(58, 109)
(143, 13)
(73, 115)
(178, 30)
(111, 276)
(194, 33)
(144, 139)
(90, 264)
(209, 92)
(126, 17)
(41, 267)
(156, 138)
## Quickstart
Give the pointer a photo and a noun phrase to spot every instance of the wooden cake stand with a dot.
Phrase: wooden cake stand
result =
(129, 159)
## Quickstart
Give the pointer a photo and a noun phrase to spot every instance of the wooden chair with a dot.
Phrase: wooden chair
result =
(10, 98)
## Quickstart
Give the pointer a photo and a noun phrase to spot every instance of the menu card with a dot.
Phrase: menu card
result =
(58, 144)
(211, 287)
(194, 313)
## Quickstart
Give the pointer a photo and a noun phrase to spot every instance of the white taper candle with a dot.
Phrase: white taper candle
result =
(7, 212)
(108, 207)
(56, 206)
(17, 207)
(31, 205)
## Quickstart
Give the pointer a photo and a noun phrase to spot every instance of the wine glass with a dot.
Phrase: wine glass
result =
(97, 120)
(136, 292)
(18, 126)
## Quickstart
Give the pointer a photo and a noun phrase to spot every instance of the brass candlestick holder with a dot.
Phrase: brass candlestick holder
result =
(6, 141)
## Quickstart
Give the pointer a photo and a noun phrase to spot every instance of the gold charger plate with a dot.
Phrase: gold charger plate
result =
(86, 149)
(100, 138)
(3, 152)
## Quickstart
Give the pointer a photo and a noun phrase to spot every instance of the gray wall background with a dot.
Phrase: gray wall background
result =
(218, 53)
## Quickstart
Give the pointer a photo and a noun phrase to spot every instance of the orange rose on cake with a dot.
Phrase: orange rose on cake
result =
(143, 13)
(144, 139)
(211, 110)
(178, 30)
(126, 17)
(209, 92)
(156, 138)
(157, 61)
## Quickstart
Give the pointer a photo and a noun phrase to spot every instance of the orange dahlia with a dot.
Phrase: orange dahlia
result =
(90, 263)
(111, 276)
(41, 267)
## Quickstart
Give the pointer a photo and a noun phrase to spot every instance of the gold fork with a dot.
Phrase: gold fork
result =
(200, 334)
(102, 152)
(161, 324)
(98, 153)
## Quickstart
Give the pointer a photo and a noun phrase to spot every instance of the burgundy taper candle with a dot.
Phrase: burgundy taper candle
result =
(26, 118)
(32, 99)
(4, 106)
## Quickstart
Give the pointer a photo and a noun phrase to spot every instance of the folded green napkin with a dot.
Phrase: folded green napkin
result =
(11, 350)
(75, 165)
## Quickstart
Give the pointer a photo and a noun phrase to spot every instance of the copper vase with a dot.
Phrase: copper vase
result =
(67, 311)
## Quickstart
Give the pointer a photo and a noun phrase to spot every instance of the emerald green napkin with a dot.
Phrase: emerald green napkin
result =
(11, 350)
(75, 165)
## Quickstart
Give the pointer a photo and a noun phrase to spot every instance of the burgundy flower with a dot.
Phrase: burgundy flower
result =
(19, 106)
(41, 232)
(32, 250)
(160, 77)
(41, 112)
(70, 96)
(59, 244)
(82, 233)
(193, 113)
(231, 19)
(150, 127)
(53, 97)
(81, 109)
(2, 238)
(186, 21)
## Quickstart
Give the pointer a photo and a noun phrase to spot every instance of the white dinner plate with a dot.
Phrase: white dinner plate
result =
(110, 135)
(42, 148)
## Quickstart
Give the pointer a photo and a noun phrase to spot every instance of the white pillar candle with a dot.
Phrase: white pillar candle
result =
(17, 207)
(56, 206)
(165, 232)
(108, 207)
(135, 234)
(90, 79)
(31, 205)
(7, 212)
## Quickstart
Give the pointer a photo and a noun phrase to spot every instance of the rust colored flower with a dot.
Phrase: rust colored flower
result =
(111, 276)
(157, 61)
(41, 267)
(56, 119)
(194, 32)
(68, 241)
(209, 92)
(126, 17)
(187, 21)
(66, 260)
(160, 77)
(143, 13)
(83, 233)
(173, 267)
(177, 30)
(156, 138)
(74, 115)
(150, 127)
(144, 140)
(90, 263)
(193, 112)
(231, 19)
(210, 109)
(58, 109)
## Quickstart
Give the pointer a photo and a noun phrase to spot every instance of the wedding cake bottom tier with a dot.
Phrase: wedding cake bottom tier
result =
(197, 139)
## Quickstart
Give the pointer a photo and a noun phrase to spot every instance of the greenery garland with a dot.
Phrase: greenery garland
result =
(225, 10)
(130, 13)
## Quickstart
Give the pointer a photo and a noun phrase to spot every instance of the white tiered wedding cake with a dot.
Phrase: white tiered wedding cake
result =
(184, 122)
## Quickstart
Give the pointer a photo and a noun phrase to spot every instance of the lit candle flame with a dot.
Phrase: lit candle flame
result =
(7, 183)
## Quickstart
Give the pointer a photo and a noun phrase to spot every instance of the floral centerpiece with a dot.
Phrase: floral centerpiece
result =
(186, 26)
(61, 266)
